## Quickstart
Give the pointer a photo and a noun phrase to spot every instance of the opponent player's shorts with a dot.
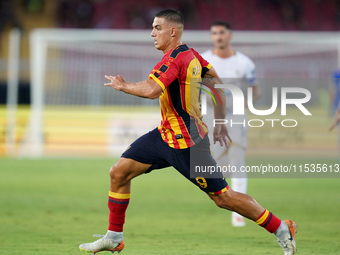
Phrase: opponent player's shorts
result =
(151, 149)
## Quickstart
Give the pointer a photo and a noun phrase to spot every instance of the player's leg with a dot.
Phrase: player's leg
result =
(233, 156)
(249, 208)
(121, 175)
(137, 159)
(226, 198)
(238, 202)
(236, 157)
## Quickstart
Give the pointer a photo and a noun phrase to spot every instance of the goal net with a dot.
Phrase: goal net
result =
(74, 114)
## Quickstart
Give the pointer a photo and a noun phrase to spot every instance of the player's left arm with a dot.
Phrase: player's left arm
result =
(146, 89)
(220, 133)
(220, 130)
(212, 77)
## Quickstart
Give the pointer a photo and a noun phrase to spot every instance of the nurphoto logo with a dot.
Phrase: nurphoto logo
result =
(239, 105)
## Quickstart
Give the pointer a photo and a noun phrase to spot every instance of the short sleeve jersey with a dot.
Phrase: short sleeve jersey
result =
(179, 74)
(238, 70)
(238, 66)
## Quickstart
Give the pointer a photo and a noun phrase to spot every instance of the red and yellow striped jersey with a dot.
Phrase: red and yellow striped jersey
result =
(179, 74)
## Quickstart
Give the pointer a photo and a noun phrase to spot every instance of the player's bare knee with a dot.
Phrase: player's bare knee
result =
(225, 201)
(113, 171)
(224, 204)
(117, 175)
(219, 203)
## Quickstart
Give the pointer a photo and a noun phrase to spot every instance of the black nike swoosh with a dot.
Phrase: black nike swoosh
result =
(291, 237)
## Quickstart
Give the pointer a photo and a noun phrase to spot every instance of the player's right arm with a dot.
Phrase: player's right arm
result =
(146, 89)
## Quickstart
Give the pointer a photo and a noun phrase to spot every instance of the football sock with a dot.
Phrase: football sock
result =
(282, 230)
(115, 236)
(269, 221)
(117, 204)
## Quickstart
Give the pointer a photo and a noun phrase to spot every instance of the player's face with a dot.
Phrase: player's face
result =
(161, 33)
(220, 36)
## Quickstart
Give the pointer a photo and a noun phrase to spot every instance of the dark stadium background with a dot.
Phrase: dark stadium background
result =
(257, 15)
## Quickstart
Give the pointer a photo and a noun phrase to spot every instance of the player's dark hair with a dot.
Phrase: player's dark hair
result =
(171, 15)
(221, 23)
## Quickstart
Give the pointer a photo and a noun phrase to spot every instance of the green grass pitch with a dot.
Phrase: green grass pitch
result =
(51, 206)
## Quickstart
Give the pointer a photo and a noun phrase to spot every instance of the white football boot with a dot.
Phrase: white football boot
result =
(287, 242)
(102, 244)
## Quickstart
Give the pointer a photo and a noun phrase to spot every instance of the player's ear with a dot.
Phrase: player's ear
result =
(173, 31)
(230, 35)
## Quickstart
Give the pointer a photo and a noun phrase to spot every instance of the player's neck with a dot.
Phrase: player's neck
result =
(172, 46)
(226, 52)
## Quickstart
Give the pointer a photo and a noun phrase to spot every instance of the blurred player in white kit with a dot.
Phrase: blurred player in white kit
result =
(237, 69)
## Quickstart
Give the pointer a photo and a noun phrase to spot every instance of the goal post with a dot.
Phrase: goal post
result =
(68, 68)
(12, 90)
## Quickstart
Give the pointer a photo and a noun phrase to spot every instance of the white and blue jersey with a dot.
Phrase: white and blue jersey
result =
(238, 70)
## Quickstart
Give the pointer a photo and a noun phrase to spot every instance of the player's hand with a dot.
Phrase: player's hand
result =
(115, 81)
(221, 134)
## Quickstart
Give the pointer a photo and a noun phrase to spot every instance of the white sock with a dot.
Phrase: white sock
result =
(115, 236)
(282, 230)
